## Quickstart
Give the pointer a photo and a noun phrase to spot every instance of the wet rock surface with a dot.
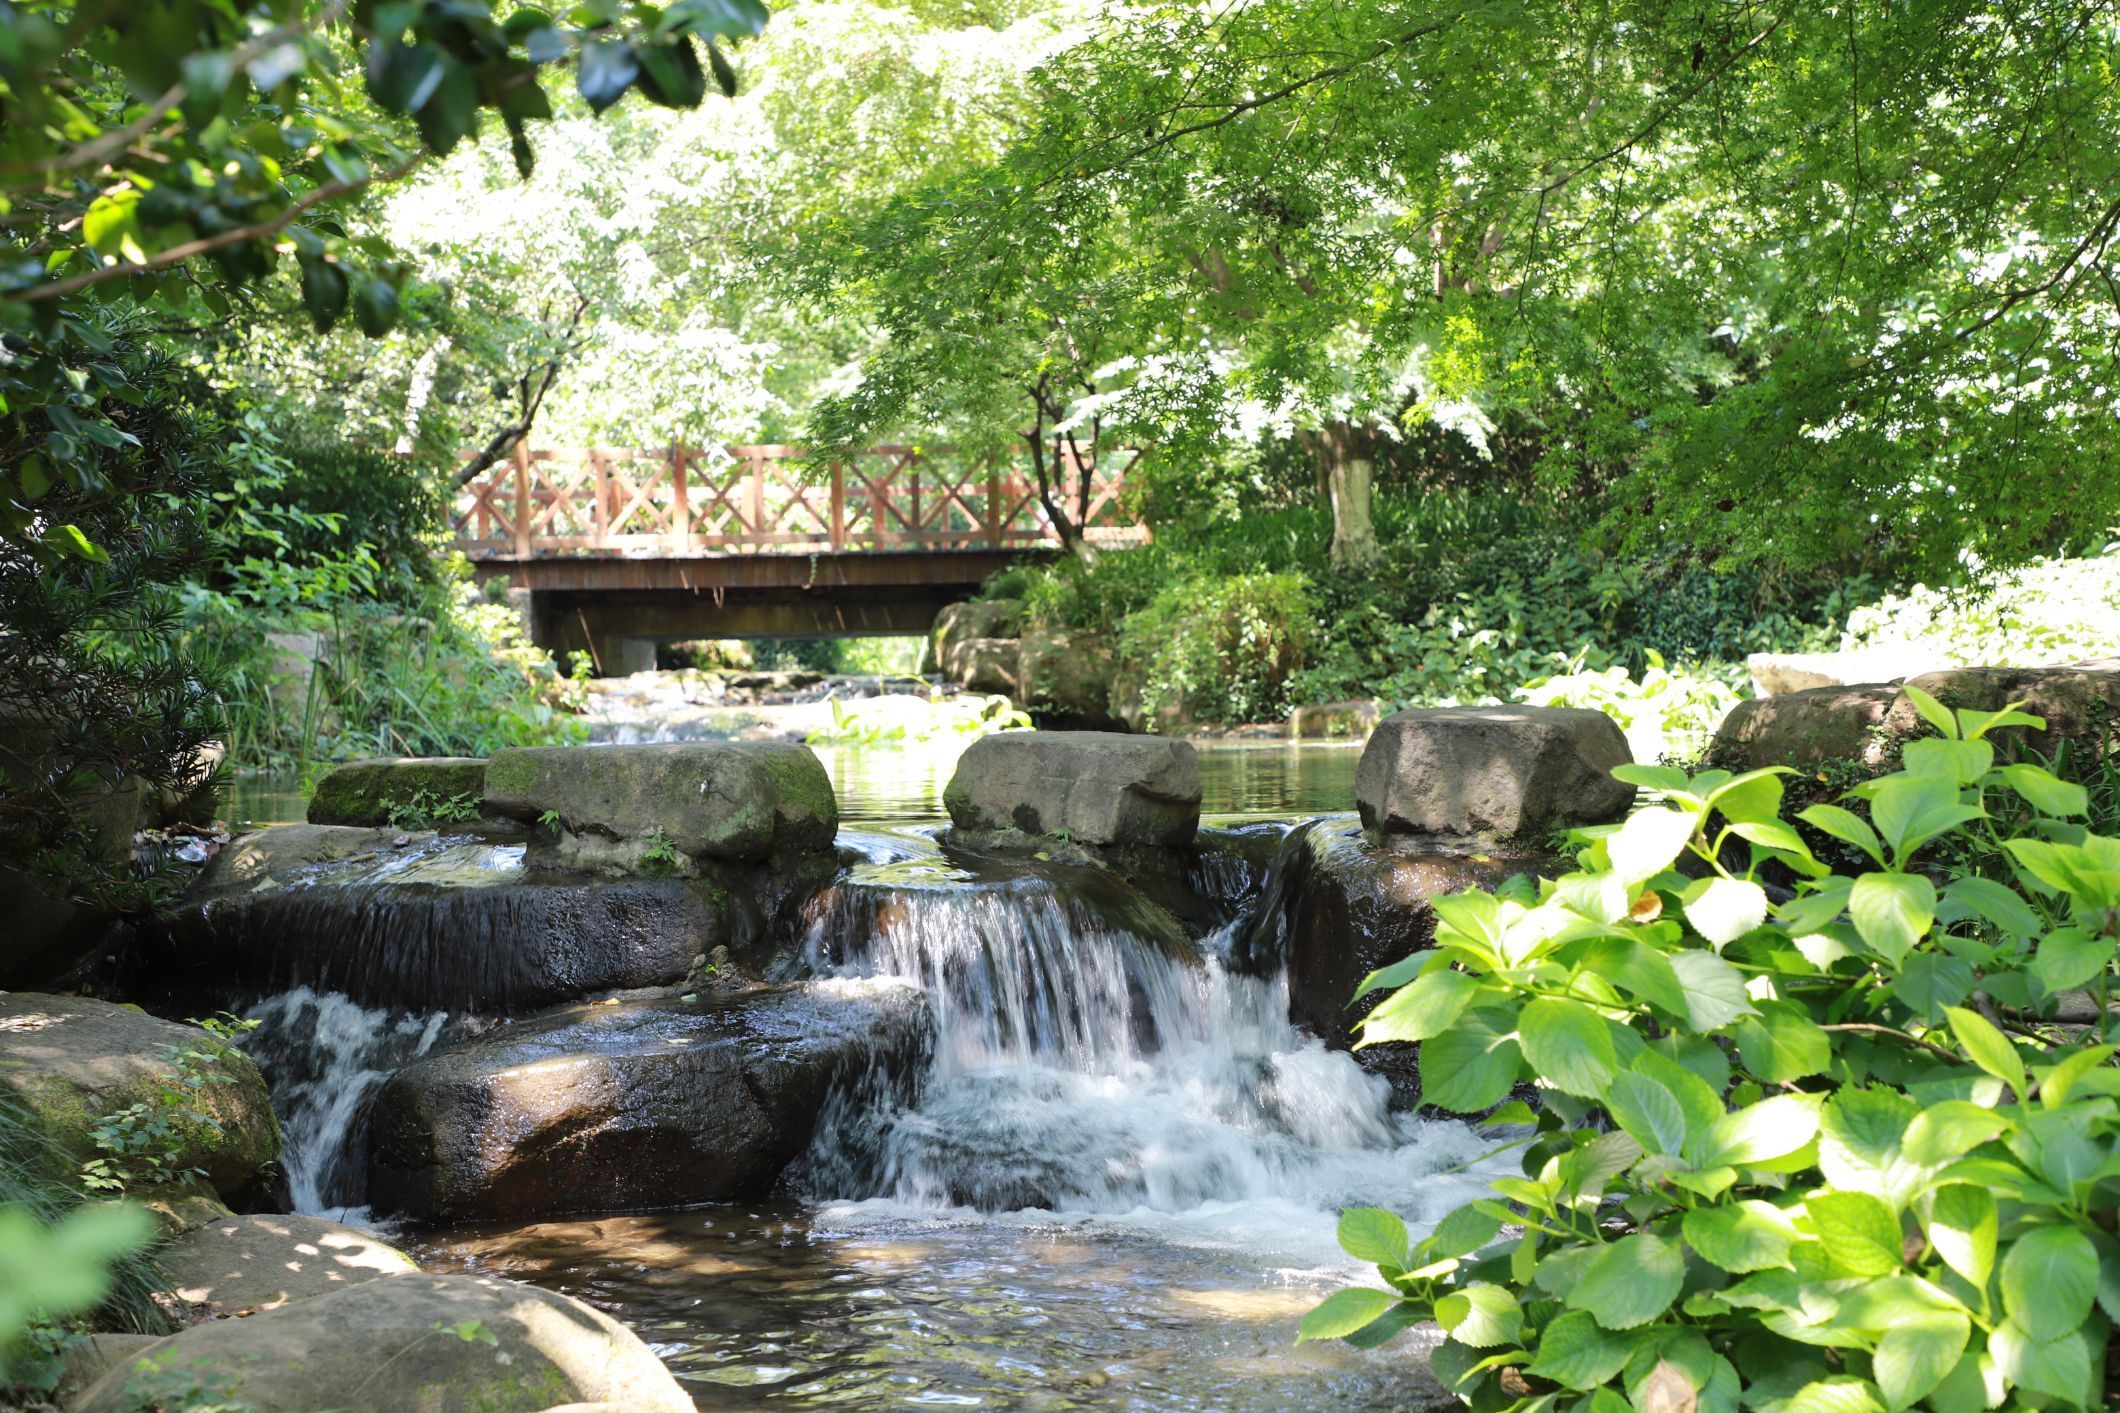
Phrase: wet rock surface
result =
(448, 923)
(1491, 772)
(74, 1061)
(662, 807)
(1335, 908)
(1088, 787)
(394, 1345)
(642, 1104)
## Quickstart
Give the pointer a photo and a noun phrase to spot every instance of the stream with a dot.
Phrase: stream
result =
(1115, 1186)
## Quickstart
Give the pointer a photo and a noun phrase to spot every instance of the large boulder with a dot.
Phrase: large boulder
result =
(666, 807)
(1508, 772)
(993, 665)
(258, 1262)
(405, 792)
(410, 1344)
(980, 618)
(646, 1104)
(438, 924)
(76, 1062)
(1068, 673)
(1336, 908)
(1094, 787)
(1807, 728)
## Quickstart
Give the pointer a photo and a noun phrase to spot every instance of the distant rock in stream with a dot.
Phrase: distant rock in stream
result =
(1086, 787)
(641, 1104)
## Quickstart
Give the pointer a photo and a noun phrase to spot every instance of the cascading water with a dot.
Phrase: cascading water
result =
(1083, 1065)
(325, 1056)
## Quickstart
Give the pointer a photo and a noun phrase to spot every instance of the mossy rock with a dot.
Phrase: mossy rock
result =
(412, 1342)
(409, 792)
(75, 1061)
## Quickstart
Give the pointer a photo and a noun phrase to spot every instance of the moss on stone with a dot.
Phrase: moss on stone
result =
(365, 792)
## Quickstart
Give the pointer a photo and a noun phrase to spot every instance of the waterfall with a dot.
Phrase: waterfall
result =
(324, 1057)
(1082, 1064)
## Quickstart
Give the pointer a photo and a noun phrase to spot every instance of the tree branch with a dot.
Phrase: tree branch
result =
(503, 441)
(178, 254)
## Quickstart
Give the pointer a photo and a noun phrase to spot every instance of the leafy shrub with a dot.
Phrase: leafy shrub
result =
(2056, 610)
(1664, 715)
(897, 719)
(1850, 1160)
(1221, 650)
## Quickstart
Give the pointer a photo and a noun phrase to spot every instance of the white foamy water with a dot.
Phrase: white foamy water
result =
(325, 1057)
(1083, 1070)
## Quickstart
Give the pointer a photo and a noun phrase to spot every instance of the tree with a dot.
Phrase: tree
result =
(1797, 285)
(165, 157)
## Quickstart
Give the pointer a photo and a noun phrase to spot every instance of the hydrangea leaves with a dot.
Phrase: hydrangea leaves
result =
(1790, 1153)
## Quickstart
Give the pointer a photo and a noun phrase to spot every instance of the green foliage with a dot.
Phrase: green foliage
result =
(1850, 1160)
(429, 809)
(1666, 714)
(660, 853)
(142, 1144)
(164, 155)
(62, 1257)
(895, 720)
(1220, 649)
(2054, 610)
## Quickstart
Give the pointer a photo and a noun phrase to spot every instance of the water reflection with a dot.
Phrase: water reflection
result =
(848, 1307)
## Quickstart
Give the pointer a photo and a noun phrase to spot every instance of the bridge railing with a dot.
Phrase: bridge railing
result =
(676, 502)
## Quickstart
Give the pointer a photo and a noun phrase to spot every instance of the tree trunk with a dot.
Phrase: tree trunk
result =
(1347, 461)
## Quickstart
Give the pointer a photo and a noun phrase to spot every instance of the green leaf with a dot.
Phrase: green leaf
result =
(1860, 1234)
(1630, 1282)
(1343, 1312)
(324, 292)
(2049, 1279)
(1960, 1221)
(1915, 1355)
(375, 305)
(1782, 1043)
(70, 539)
(1725, 909)
(1965, 762)
(1481, 1315)
(1946, 1131)
(1859, 1144)
(2059, 1367)
(1909, 810)
(1569, 1046)
(402, 77)
(1648, 1112)
(1988, 1048)
(450, 113)
(1472, 1065)
(1647, 844)
(2046, 794)
(1715, 990)
(2069, 957)
(1932, 711)
(1426, 1007)
(1746, 1236)
(1661, 778)
(1461, 1233)
(1577, 1352)
(1928, 982)
(2056, 1082)
(1990, 901)
(606, 69)
(1375, 1235)
(1391, 978)
(1759, 1133)
(1846, 826)
(670, 74)
(1892, 911)
(1752, 797)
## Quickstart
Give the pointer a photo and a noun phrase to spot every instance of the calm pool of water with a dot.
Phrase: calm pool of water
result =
(906, 782)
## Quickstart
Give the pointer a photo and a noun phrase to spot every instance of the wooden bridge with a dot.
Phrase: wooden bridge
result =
(630, 546)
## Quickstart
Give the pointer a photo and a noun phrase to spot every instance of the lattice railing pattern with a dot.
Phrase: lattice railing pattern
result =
(682, 501)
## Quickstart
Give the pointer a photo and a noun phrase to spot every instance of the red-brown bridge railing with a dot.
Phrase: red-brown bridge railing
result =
(678, 502)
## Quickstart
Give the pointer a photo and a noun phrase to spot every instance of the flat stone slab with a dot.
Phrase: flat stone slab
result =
(623, 806)
(260, 1262)
(74, 1060)
(1491, 772)
(407, 792)
(1092, 787)
(392, 1347)
(642, 1104)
